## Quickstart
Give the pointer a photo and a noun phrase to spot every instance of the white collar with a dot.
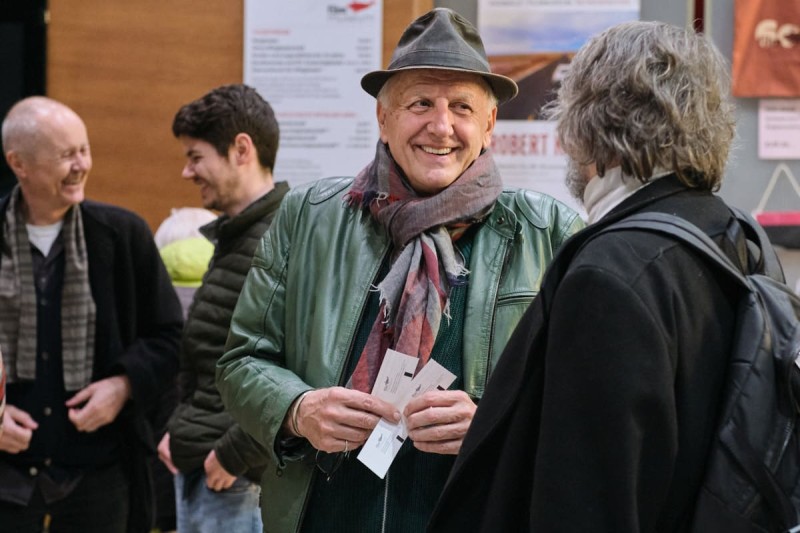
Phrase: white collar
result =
(604, 194)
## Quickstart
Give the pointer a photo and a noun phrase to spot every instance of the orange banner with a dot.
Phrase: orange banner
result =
(766, 48)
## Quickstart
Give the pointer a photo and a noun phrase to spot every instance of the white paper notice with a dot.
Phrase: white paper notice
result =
(382, 446)
(779, 129)
(306, 58)
(529, 156)
(394, 376)
(394, 386)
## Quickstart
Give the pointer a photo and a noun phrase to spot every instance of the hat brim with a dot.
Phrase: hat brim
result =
(504, 88)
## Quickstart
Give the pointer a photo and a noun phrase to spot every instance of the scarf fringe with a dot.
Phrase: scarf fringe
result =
(458, 278)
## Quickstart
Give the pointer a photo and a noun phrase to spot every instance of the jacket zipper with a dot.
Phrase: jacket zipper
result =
(385, 503)
(386, 481)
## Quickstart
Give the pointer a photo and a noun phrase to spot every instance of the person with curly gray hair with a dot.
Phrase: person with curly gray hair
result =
(645, 100)
(600, 413)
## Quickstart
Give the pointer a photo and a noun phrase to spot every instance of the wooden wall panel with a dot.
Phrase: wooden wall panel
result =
(126, 68)
(397, 14)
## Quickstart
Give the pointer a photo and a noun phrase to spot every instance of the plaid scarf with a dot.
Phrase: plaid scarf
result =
(18, 301)
(414, 294)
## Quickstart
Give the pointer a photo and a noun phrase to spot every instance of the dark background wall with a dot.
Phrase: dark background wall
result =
(22, 60)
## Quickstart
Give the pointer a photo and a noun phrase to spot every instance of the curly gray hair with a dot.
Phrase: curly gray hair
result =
(644, 95)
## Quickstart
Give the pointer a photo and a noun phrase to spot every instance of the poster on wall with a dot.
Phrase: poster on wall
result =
(766, 48)
(779, 128)
(306, 58)
(532, 42)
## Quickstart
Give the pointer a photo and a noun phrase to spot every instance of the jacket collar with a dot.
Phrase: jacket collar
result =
(226, 227)
(655, 191)
(502, 220)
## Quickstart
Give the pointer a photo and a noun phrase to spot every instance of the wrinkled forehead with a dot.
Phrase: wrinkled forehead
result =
(420, 79)
(58, 131)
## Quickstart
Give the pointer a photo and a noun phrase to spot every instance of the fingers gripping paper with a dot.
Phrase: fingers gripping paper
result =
(397, 385)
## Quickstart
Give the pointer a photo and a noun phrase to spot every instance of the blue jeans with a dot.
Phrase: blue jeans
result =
(201, 510)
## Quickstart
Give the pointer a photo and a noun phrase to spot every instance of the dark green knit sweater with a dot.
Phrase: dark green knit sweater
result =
(355, 499)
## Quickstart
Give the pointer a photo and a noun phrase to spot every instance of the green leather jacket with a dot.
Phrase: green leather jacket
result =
(300, 307)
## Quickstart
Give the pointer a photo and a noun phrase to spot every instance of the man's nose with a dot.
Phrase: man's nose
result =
(82, 162)
(188, 171)
(441, 123)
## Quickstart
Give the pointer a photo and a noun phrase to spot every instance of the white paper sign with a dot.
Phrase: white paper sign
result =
(779, 129)
(394, 386)
(394, 376)
(306, 58)
(529, 156)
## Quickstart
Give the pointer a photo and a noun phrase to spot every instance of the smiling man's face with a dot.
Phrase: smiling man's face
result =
(436, 122)
(53, 171)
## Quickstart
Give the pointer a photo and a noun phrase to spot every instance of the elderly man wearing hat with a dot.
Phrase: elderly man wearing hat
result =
(424, 253)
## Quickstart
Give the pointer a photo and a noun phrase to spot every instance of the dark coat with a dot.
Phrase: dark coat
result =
(139, 323)
(137, 333)
(201, 423)
(139, 318)
(601, 410)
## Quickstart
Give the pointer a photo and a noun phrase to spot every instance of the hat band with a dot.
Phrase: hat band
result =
(440, 59)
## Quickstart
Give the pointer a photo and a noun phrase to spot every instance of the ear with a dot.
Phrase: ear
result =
(16, 162)
(243, 149)
(380, 111)
(487, 135)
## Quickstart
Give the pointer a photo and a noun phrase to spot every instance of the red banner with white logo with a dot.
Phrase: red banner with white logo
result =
(766, 48)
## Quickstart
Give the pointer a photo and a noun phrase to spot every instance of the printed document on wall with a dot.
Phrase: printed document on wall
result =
(306, 58)
(779, 128)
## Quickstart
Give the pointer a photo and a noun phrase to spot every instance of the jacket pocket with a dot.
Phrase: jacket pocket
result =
(508, 312)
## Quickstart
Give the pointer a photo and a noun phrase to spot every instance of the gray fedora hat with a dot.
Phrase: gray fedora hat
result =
(441, 39)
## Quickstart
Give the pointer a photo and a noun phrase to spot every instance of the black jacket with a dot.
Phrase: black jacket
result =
(138, 328)
(200, 423)
(601, 410)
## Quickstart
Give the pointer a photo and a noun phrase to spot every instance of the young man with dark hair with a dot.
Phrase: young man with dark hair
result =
(230, 138)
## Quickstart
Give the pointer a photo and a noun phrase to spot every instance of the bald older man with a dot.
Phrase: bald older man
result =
(89, 327)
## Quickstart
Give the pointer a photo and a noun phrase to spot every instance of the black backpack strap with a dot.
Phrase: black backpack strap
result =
(762, 258)
(684, 231)
(760, 247)
(768, 486)
(735, 245)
